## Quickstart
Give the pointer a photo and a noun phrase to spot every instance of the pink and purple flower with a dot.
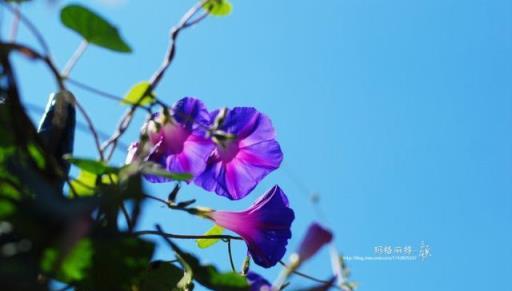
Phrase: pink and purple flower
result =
(242, 159)
(265, 226)
(178, 142)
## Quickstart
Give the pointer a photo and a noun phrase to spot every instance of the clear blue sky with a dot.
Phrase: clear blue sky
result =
(398, 113)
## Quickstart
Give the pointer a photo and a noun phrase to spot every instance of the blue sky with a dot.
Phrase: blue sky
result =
(397, 113)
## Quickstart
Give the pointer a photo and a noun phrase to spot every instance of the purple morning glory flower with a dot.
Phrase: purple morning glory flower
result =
(244, 157)
(179, 144)
(265, 226)
(316, 237)
(257, 282)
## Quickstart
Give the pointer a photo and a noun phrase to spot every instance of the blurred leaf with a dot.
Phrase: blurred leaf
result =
(6, 208)
(218, 7)
(93, 28)
(204, 243)
(73, 266)
(118, 263)
(91, 166)
(161, 276)
(134, 96)
(150, 168)
(209, 276)
(36, 155)
(85, 183)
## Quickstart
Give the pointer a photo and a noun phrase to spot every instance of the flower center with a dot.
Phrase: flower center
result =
(174, 137)
(227, 149)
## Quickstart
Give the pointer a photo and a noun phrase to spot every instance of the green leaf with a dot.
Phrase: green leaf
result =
(91, 166)
(161, 276)
(6, 208)
(134, 96)
(93, 28)
(118, 263)
(218, 7)
(73, 265)
(150, 168)
(85, 183)
(204, 243)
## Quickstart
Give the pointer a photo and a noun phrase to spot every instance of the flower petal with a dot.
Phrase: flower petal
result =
(258, 283)
(192, 159)
(191, 113)
(316, 237)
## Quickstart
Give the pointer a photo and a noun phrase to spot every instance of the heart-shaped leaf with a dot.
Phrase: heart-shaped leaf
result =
(93, 28)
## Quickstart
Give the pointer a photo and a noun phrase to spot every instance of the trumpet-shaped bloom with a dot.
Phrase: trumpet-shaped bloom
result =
(257, 282)
(316, 237)
(265, 226)
(238, 163)
(179, 144)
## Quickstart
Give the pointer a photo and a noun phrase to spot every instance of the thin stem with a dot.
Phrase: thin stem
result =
(189, 210)
(157, 199)
(93, 90)
(184, 236)
(92, 129)
(197, 20)
(74, 59)
(15, 23)
(303, 274)
(231, 256)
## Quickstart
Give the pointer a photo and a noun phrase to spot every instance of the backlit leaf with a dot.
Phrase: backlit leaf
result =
(85, 183)
(73, 265)
(204, 243)
(218, 7)
(135, 95)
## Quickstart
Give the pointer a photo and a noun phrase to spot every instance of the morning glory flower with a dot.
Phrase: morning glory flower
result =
(178, 142)
(316, 237)
(257, 282)
(246, 151)
(264, 226)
